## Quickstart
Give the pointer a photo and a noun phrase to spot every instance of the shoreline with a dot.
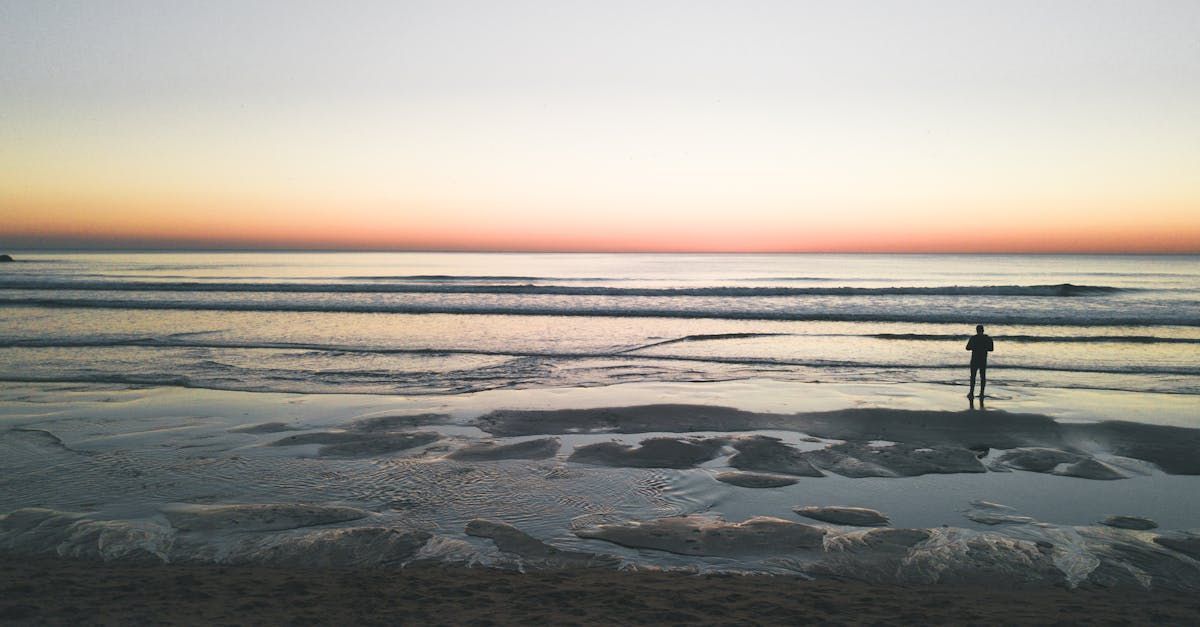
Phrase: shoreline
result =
(66, 591)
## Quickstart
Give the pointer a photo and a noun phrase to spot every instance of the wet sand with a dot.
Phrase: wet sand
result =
(56, 591)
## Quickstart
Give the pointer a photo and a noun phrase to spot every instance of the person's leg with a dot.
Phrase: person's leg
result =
(982, 380)
(974, 369)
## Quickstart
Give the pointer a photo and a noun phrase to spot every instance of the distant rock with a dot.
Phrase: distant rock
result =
(4, 258)
(854, 516)
(1130, 522)
(490, 451)
(652, 453)
(766, 454)
(755, 480)
(695, 535)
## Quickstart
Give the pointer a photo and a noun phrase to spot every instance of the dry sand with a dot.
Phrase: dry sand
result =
(53, 591)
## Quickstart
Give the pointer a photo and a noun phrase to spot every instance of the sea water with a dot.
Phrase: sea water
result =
(438, 323)
(127, 381)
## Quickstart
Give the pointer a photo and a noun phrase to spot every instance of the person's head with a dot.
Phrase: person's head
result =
(979, 329)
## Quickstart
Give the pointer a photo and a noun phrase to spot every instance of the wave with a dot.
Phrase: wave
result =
(950, 317)
(439, 285)
(1032, 339)
(470, 277)
(706, 337)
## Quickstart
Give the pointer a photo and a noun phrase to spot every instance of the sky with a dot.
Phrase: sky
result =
(753, 126)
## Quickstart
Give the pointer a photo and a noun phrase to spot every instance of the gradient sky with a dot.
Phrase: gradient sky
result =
(606, 125)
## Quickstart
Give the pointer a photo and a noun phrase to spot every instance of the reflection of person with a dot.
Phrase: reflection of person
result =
(979, 345)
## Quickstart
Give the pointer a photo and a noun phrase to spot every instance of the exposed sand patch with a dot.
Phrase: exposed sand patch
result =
(1089, 469)
(353, 444)
(1187, 543)
(543, 448)
(1127, 559)
(1130, 522)
(755, 480)
(511, 540)
(853, 459)
(639, 419)
(1058, 462)
(651, 453)
(404, 421)
(767, 454)
(875, 555)
(695, 535)
(257, 517)
(338, 548)
(945, 432)
(264, 427)
(988, 513)
(71, 534)
(854, 516)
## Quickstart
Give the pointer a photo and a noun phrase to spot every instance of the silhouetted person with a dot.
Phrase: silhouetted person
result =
(979, 345)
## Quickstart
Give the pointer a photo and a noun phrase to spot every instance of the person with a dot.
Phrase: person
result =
(979, 345)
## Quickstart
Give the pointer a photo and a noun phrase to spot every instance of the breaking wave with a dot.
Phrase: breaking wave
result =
(1180, 317)
(434, 284)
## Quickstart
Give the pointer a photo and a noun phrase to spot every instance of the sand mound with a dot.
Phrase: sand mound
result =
(652, 453)
(257, 517)
(988, 513)
(1170, 448)
(1130, 522)
(854, 459)
(1058, 462)
(1186, 543)
(694, 535)
(405, 421)
(490, 451)
(767, 454)
(71, 534)
(511, 540)
(1126, 559)
(1089, 469)
(638, 419)
(755, 480)
(336, 548)
(855, 516)
(353, 444)
(265, 427)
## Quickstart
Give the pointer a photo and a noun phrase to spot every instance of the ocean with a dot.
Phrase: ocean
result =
(709, 412)
(444, 323)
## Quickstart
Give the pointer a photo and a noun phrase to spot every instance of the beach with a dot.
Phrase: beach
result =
(552, 443)
(599, 313)
(56, 591)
